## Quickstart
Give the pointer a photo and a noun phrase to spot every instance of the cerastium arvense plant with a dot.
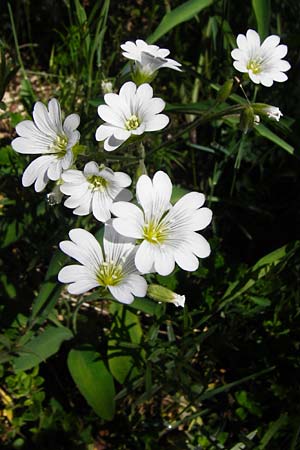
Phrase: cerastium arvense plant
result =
(152, 235)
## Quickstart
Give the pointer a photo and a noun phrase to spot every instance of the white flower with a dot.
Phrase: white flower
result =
(47, 136)
(114, 270)
(129, 113)
(94, 190)
(263, 61)
(148, 58)
(167, 233)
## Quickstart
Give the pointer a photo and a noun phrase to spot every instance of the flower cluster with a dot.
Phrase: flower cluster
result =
(151, 235)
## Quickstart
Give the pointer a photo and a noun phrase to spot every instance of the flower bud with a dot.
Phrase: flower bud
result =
(247, 119)
(272, 112)
(165, 295)
(225, 91)
(106, 86)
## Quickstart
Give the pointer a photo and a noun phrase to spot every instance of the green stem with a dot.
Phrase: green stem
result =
(18, 50)
(199, 121)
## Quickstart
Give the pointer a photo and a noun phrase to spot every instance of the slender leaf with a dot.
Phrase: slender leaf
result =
(93, 381)
(268, 134)
(182, 13)
(262, 11)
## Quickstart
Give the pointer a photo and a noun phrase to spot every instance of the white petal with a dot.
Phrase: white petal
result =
(31, 147)
(73, 176)
(104, 131)
(201, 219)
(85, 206)
(186, 260)
(121, 134)
(158, 122)
(144, 258)
(270, 42)
(122, 293)
(240, 66)
(91, 168)
(190, 201)
(164, 262)
(283, 66)
(35, 169)
(89, 244)
(144, 192)
(242, 42)
(124, 195)
(266, 80)
(139, 285)
(112, 144)
(54, 170)
(128, 211)
(100, 206)
(150, 108)
(162, 188)
(71, 123)
(198, 245)
(109, 115)
(43, 121)
(122, 179)
(55, 114)
(253, 39)
(237, 54)
(127, 227)
(279, 76)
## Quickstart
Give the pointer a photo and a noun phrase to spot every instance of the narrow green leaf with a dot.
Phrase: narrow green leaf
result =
(268, 134)
(273, 429)
(122, 365)
(93, 381)
(49, 285)
(262, 11)
(41, 347)
(182, 13)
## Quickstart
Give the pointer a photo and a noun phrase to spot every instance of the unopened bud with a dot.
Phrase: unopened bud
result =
(247, 119)
(272, 112)
(165, 295)
(106, 86)
(225, 91)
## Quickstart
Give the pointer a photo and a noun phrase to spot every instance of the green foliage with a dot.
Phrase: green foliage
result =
(86, 372)
(93, 380)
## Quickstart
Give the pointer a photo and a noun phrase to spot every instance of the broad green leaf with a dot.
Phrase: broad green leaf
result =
(268, 134)
(147, 306)
(262, 11)
(182, 13)
(93, 381)
(41, 347)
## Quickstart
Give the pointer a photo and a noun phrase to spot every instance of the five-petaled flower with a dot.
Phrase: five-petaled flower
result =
(112, 268)
(94, 190)
(46, 135)
(129, 113)
(166, 233)
(263, 62)
(148, 58)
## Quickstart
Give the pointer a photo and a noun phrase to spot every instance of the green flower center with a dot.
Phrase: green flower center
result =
(255, 65)
(59, 146)
(156, 233)
(97, 183)
(132, 123)
(110, 274)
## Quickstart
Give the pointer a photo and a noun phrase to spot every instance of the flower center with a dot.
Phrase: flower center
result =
(110, 274)
(156, 233)
(97, 183)
(132, 123)
(255, 65)
(59, 146)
